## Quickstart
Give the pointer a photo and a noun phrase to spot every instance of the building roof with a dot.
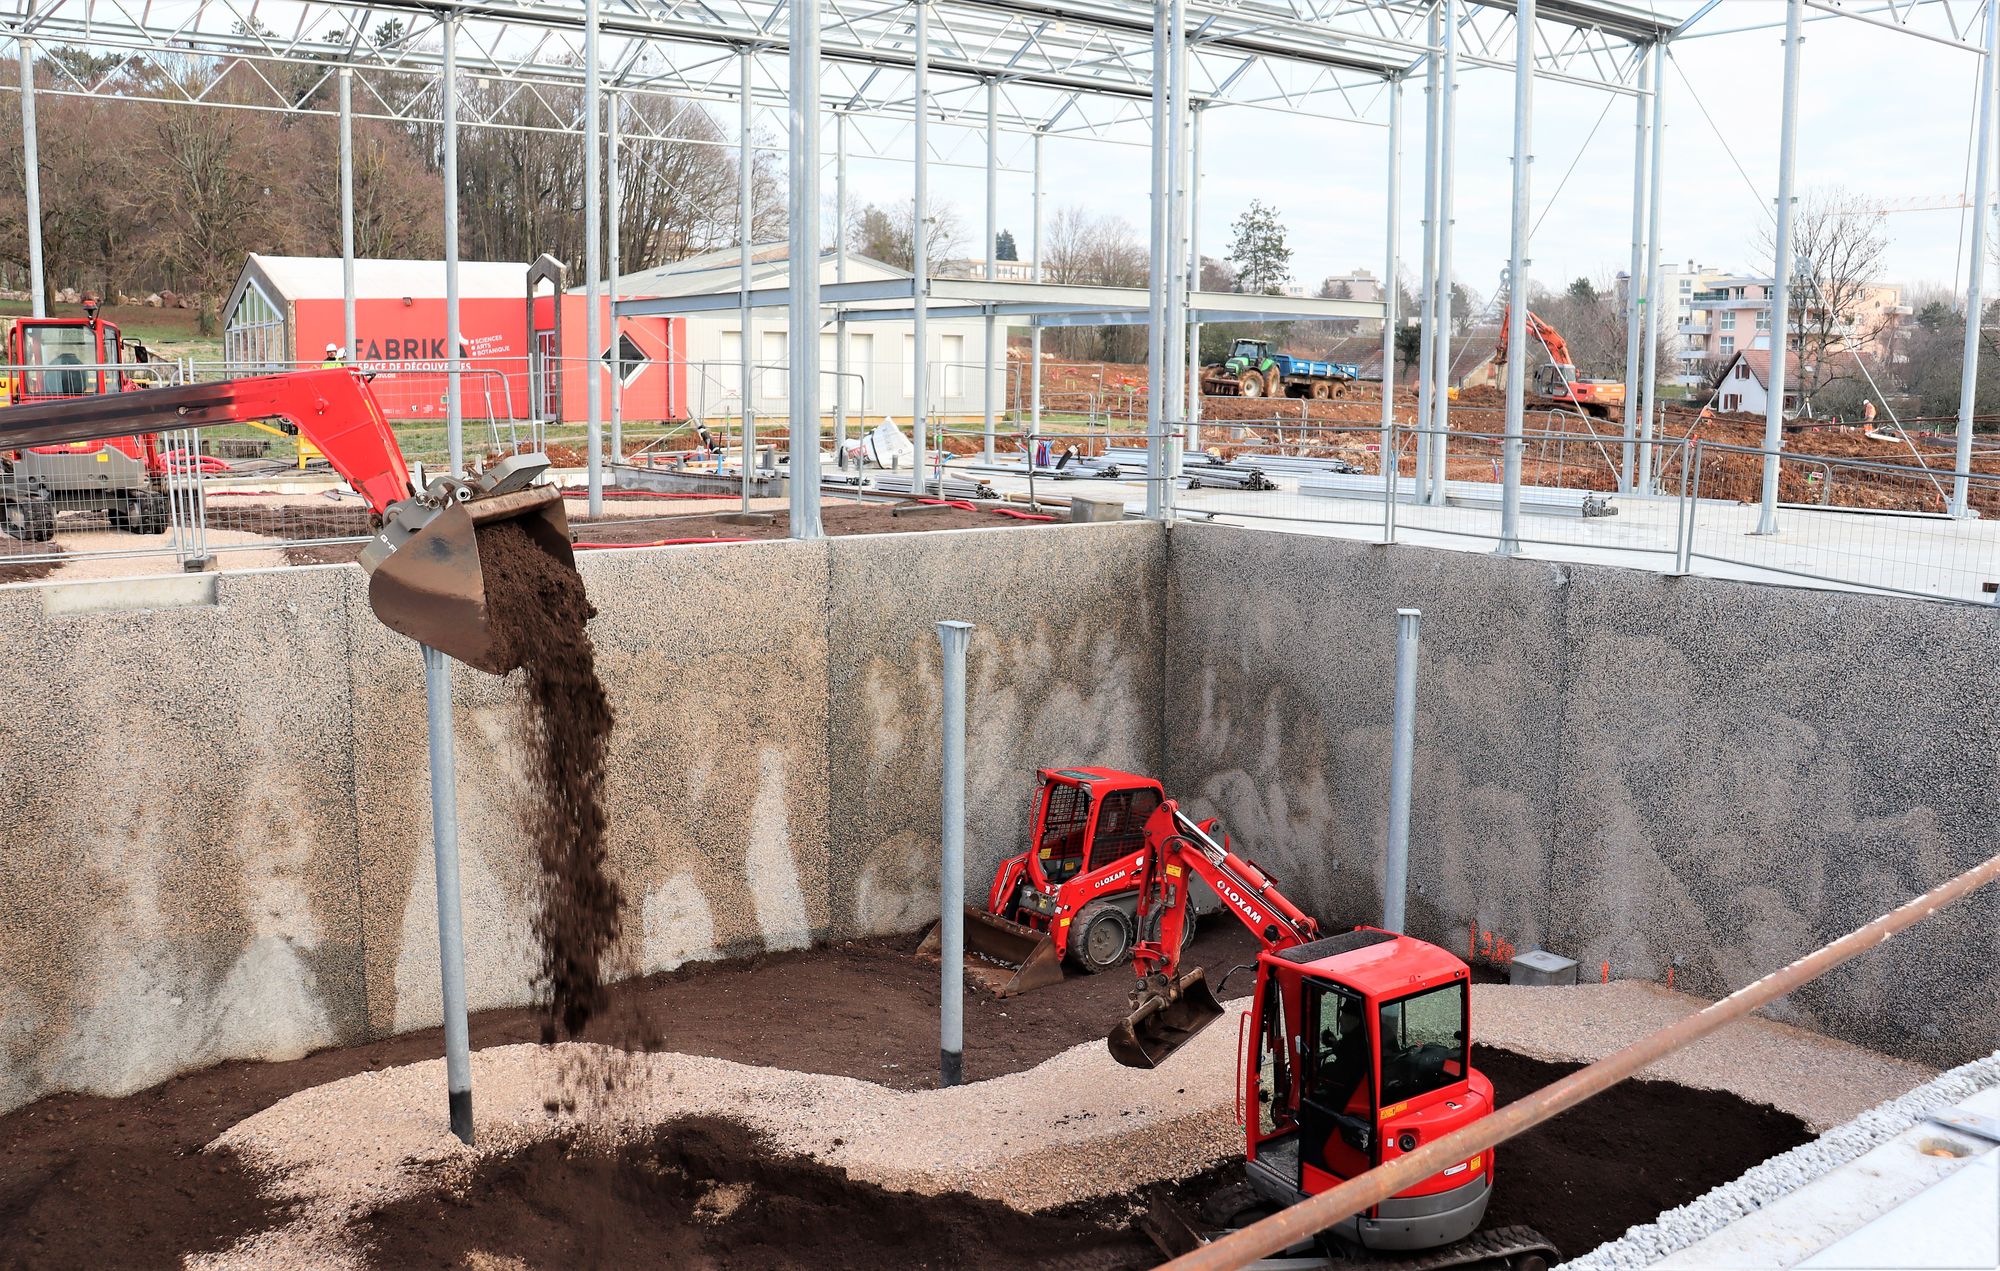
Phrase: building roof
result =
(718, 271)
(1759, 361)
(289, 278)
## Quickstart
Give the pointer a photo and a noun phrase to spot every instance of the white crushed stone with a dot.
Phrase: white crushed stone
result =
(1075, 1127)
(1821, 1081)
(1778, 1177)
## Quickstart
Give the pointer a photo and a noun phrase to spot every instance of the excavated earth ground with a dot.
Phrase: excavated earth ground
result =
(785, 1117)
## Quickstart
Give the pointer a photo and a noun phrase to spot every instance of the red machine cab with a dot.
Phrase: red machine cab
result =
(1078, 879)
(1358, 1052)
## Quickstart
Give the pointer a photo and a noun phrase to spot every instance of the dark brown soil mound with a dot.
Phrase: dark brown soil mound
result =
(539, 612)
(708, 1193)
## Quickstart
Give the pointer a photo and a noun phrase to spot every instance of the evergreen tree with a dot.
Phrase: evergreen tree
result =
(1263, 261)
(1003, 246)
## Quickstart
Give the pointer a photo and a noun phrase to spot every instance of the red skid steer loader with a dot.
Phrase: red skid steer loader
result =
(1071, 896)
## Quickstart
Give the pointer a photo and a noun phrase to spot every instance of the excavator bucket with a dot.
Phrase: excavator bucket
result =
(1165, 1017)
(1002, 957)
(425, 578)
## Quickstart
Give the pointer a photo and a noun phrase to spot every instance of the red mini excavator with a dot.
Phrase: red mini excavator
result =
(1557, 384)
(424, 577)
(1356, 1049)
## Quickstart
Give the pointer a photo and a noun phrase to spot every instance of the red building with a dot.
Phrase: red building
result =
(522, 357)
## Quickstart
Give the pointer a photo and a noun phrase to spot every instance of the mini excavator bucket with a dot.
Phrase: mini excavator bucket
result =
(425, 577)
(1165, 1016)
(1002, 957)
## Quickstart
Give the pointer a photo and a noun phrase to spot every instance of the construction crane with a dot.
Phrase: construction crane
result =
(1557, 384)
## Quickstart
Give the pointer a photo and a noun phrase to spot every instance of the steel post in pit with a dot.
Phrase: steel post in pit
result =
(920, 251)
(1402, 759)
(803, 268)
(953, 636)
(451, 928)
(1650, 378)
(1634, 313)
(593, 259)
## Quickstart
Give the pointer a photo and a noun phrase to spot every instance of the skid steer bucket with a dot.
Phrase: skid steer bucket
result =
(1165, 1017)
(1002, 957)
(425, 578)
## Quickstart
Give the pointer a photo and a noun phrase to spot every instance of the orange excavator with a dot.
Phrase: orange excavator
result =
(424, 575)
(1557, 384)
(1356, 1049)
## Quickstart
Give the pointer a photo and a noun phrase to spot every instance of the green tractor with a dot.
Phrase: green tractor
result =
(1252, 370)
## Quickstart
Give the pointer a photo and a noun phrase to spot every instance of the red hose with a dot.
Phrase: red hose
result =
(1022, 516)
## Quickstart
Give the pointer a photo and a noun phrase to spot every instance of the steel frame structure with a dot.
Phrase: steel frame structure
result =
(991, 75)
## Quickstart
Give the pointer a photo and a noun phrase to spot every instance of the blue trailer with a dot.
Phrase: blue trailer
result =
(1252, 370)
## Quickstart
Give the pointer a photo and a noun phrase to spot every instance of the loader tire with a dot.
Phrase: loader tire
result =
(1251, 384)
(1101, 938)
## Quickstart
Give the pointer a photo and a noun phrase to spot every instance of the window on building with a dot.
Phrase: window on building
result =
(630, 362)
(1731, 402)
(1763, 319)
(1742, 370)
(1728, 320)
(1728, 345)
(253, 337)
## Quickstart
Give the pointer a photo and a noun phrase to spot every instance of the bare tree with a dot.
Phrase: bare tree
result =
(1838, 246)
(1081, 246)
(889, 234)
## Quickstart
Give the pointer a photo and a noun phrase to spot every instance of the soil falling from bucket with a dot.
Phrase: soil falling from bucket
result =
(538, 610)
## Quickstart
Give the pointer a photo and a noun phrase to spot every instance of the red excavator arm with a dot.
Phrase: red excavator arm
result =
(333, 408)
(1167, 1012)
(435, 594)
(1550, 337)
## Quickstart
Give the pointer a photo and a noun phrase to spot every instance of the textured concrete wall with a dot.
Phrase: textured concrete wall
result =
(1690, 773)
(218, 837)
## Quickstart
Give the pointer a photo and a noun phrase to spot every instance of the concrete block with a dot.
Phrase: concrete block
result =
(1539, 966)
(1087, 509)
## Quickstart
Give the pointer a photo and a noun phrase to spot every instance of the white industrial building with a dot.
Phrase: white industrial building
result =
(881, 377)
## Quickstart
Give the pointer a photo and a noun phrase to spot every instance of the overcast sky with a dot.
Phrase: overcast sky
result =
(1883, 114)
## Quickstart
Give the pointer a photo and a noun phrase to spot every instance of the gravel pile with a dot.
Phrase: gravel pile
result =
(1076, 1127)
(1820, 1081)
(1679, 1228)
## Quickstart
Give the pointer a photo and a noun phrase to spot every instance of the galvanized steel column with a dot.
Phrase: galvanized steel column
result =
(454, 400)
(920, 253)
(31, 170)
(593, 262)
(1035, 332)
(1156, 278)
(1650, 379)
(614, 207)
(840, 368)
(1172, 390)
(1427, 300)
(1781, 272)
(1635, 309)
(347, 213)
(1968, 380)
(992, 246)
(1447, 129)
(1193, 283)
(1402, 763)
(451, 927)
(1393, 241)
(1517, 280)
(953, 637)
(803, 320)
(746, 163)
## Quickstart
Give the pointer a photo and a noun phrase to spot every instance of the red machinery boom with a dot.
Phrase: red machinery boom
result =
(1550, 337)
(436, 595)
(1167, 1012)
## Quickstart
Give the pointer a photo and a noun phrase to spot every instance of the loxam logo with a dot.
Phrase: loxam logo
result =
(1109, 879)
(1237, 899)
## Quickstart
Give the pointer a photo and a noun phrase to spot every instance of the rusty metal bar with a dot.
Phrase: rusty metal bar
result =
(1309, 1217)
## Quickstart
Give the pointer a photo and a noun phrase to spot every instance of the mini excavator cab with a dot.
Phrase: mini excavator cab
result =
(1359, 1052)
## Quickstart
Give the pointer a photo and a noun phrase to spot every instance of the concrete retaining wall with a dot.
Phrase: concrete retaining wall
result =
(1655, 772)
(217, 841)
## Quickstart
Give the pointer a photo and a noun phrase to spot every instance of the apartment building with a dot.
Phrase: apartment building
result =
(1731, 313)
